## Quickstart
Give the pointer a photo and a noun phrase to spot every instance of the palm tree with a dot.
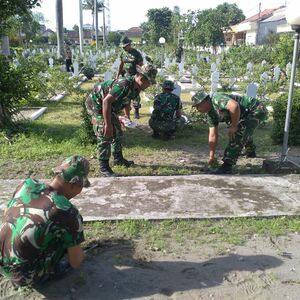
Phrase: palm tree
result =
(60, 28)
(89, 5)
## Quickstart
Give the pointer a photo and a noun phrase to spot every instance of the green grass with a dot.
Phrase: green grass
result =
(161, 235)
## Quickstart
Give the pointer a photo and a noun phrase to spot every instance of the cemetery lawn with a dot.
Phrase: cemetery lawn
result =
(54, 136)
(253, 258)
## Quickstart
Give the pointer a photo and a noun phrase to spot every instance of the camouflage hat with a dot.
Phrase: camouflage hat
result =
(199, 97)
(149, 71)
(74, 170)
(168, 84)
(125, 41)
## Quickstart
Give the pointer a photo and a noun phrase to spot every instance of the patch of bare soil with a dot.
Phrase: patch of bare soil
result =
(263, 268)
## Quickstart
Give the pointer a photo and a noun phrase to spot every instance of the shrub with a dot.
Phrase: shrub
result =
(279, 115)
(85, 134)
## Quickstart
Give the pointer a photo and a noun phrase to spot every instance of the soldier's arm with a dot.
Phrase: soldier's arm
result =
(107, 102)
(212, 143)
(235, 114)
(75, 256)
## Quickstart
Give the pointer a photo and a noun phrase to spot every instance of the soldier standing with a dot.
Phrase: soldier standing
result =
(40, 226)
(167, 112)
(242, 113)
(104, 105)
(127, 67)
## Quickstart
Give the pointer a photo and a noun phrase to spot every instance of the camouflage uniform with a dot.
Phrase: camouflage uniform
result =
(163, 120)
(122, 90)
(252, 114)
(132, 59)
(39, 225)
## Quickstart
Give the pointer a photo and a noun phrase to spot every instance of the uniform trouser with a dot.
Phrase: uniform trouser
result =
(28, 274)
(163, 127)
(244, 135)
(136, 102)
(105, 145)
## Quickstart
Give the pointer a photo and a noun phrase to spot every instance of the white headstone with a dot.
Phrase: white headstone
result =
(195, 70)
(50, 62)
(107, 75)
(276, 73)
(214, 81)
(264, 77)
(288, 69)
(252, 90)
(207, 59)
(249, 67)
(177, 89)
(76, 68)
(213, 67)
(181, 68)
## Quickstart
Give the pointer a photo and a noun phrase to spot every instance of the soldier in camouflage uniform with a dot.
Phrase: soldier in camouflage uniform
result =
(242, 113)
(127, 67)
(104, 105)
(165, 117)
(40, 226)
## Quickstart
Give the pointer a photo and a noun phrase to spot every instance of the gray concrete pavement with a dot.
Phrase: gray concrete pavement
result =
(193, 196)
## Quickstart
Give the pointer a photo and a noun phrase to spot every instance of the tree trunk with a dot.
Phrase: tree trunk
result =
(60, 29)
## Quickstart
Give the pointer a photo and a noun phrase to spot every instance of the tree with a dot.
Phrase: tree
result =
(89, 5)
(114, 38)
(60, 28)
(159, 24)
(9, 9)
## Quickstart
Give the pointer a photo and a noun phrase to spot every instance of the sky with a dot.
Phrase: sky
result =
(131, 13)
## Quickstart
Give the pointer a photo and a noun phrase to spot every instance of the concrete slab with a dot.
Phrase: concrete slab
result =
(193, 196)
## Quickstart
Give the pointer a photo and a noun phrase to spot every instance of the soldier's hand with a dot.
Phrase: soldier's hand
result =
(108, 130)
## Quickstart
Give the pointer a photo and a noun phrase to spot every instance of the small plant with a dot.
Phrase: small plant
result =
(88, 72)
(279, 115)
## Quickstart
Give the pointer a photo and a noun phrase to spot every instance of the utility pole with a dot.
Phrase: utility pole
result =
(80, 28)
(96, 22)
(258, 23)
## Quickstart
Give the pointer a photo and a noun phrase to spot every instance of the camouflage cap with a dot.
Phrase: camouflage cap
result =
(149, 71)
(199, 97)
(168, 84)
(125, 41)
(74, 169)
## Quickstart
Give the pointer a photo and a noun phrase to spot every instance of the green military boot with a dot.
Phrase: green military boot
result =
(226, 168)
(105, 169)
(119, 160)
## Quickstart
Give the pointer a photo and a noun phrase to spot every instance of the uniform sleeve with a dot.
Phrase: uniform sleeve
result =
(212, 118)
(72, 228)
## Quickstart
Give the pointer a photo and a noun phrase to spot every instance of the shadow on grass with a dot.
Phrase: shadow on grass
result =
(116, 270)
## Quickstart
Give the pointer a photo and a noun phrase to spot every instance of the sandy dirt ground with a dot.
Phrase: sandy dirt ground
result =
(262, 268)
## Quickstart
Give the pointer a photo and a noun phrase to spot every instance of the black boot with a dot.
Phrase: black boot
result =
(136, 113)
(251, 154)
(226, 168)
(105, 169)
(119, 160)
(155, 134)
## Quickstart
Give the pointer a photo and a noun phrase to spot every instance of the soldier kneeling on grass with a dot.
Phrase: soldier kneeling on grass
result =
(243, 114)
(40, 226)
(167, 110)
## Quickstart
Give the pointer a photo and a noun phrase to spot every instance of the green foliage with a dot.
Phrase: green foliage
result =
(114, 38)
(159, 24)
(283, 51)
(15, 7)
(85, 134)
(279, 115)
(88, 72)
